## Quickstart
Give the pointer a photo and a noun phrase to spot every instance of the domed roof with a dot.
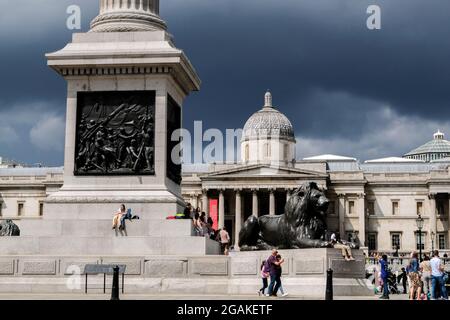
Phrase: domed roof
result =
(268, 122)
(437, 145)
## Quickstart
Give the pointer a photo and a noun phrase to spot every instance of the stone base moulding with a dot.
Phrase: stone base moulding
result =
(304, 273)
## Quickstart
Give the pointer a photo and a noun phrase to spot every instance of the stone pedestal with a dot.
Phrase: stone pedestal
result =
(126, 83)
(304, 273)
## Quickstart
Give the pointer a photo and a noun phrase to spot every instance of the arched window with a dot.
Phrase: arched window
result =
(138, 4)
(129, 4)
(247, 152)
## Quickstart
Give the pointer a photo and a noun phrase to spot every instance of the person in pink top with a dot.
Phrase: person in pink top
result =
(224, 240)
(264, 276)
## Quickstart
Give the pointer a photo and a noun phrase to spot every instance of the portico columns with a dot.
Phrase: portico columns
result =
(448, 226)
(194, 200)
(341, 215)
(362, 219)
(433, 227)
(272, 202)
(238, 219)
(255, 203)
(221, 210)
(205, 206)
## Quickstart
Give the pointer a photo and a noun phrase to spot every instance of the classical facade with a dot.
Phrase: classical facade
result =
(376, 202)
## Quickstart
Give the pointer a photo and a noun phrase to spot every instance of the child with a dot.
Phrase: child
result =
(264, 276)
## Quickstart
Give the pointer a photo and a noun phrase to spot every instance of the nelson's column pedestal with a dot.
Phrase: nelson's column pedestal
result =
(126, 82)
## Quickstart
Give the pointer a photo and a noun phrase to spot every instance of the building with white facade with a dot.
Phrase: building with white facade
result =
(376, 202)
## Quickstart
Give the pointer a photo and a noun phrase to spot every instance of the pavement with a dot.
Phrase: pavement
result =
(35, 296)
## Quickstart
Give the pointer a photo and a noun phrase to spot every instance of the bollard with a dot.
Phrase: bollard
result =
(329, 289)
(115, 284)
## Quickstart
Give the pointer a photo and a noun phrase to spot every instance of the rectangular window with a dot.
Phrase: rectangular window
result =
(331, 207)
(441, 241)
(20, 209)
(395, 208)
(351, 207)
(372, 241)
(41, 208)
(419, 205)
(371, 208)
(420, 242)
(396, 241)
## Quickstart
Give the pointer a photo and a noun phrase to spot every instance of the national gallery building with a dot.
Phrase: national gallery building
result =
(375, 203)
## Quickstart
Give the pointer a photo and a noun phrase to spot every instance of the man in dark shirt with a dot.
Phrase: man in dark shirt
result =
(274, 267)
(187, 211)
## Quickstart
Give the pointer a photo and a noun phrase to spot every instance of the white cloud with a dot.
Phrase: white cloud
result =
(389, 134)
(48, 133)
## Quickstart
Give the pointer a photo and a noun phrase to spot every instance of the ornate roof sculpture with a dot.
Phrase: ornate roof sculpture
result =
(435, 149)
(269, 123)
(128, 16)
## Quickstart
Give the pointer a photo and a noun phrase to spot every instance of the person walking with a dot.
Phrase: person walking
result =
(403, 278)
(384, 276)
(437, 277)
(224, 240)
(275, 273)
(283, 293)
(415, 284)
(264, 276)
(425, 268)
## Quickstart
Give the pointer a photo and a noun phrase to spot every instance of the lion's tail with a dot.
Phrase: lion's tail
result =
(248, 235)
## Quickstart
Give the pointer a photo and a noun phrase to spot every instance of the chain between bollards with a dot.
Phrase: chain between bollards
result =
(115, 284)
(329, 289)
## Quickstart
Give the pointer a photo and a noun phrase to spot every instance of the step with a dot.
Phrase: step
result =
(101, 227)
(107, 245)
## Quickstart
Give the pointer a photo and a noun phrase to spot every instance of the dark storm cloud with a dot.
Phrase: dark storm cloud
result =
(328, 73)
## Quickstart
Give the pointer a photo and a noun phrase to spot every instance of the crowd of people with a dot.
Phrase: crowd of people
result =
(426, 279)
(203, 227)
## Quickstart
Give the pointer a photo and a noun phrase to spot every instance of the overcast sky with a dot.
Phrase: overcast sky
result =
(346, 89)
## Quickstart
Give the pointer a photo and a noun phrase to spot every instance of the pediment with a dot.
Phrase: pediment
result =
(265, 171)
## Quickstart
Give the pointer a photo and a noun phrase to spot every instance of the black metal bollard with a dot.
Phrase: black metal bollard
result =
(329, 289)
(115, 284)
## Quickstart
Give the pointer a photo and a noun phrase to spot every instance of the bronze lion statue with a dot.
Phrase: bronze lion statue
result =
(9, 229)
(303, 224)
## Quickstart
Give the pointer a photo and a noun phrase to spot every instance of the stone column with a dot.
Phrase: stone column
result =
(205, 204)
(255, 203)
(238, 218)
(221, 209)
(341, 215)
(448, 226)
(288, 194)
(433, 213)
(272, 202)
(194, 200)
(362, 219)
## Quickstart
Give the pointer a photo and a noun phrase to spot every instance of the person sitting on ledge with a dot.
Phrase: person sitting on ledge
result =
(346, 251)
(118, 216)
(121, 216)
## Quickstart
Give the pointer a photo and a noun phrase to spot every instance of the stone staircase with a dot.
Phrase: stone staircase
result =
(96, 237)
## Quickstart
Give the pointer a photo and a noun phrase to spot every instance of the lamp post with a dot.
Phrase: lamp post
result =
(419, 222)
